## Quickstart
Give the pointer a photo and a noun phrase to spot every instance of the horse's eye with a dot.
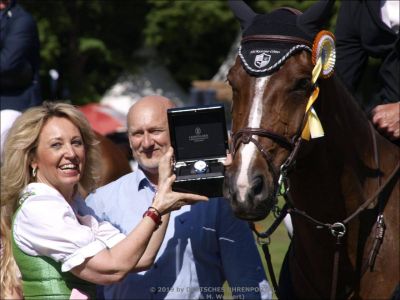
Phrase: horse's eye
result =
(302, 85)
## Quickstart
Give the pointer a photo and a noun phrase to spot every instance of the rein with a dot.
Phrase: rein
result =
(338, 229)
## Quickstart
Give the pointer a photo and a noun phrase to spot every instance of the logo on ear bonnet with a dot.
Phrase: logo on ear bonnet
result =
(261, 60)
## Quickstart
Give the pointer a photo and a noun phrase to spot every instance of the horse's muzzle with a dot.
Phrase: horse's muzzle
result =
(252, 203)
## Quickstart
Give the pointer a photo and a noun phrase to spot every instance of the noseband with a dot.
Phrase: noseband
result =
(245, 136)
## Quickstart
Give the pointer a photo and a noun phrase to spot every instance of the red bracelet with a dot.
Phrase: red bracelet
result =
(154, 216)
(155, 209)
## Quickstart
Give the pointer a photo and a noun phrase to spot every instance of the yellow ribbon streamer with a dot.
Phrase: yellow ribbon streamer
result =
(317, 70)
(316, 129)
(313, 128)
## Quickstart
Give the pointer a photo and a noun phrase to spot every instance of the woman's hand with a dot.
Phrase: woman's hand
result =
(228, 160)
(166, 200)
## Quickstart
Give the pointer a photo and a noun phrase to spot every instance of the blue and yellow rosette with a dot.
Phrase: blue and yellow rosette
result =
(323, 58)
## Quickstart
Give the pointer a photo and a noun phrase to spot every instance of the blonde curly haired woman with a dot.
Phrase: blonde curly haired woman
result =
(50, 151)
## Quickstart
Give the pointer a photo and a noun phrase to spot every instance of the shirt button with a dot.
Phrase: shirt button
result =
(155, 266)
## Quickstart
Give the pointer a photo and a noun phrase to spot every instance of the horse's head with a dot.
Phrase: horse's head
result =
(271, 82)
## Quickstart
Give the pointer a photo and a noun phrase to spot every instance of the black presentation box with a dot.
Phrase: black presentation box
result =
(200, 141)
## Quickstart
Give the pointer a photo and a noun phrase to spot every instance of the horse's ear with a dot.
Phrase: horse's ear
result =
(315, 17)
(242, 12)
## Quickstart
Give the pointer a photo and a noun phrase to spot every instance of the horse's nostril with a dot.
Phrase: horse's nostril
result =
(257, 185)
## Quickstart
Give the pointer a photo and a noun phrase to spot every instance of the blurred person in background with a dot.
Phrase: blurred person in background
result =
(204, 246)
(7, 118)
(364, 29)
(19, 58)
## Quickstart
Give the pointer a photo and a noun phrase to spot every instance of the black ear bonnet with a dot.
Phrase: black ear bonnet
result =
(269, 39)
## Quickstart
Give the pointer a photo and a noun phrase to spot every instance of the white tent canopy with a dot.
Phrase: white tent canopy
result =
(150, 80)
(154, 78)
(229, 60)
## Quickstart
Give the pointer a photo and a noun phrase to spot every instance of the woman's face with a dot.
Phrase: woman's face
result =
(60, 155)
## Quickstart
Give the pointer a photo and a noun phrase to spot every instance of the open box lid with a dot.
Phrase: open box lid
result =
(198, 132)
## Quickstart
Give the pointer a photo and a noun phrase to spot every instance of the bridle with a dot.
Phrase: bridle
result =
(281, 187)
(245, 135)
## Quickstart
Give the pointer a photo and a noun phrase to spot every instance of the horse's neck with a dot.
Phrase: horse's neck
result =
(336, 173)
(363, 152)
(347, 128)
(348, 161)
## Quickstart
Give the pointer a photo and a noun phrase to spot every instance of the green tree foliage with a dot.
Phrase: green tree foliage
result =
(192, 37)
(302, 5)
(91, 42)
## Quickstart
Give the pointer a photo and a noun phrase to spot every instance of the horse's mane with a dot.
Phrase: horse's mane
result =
(349, 135)
(345, 123)
(342, 102)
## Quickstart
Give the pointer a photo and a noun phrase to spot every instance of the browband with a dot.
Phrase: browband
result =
(277, 38)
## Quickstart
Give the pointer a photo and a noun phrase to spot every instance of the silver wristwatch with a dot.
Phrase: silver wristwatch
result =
(200, 167)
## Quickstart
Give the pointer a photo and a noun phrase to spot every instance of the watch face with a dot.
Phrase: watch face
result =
(200, 166)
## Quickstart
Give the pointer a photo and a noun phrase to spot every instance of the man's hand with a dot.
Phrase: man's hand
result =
(386, 118)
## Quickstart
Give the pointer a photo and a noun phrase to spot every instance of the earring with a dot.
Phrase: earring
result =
(34, 171)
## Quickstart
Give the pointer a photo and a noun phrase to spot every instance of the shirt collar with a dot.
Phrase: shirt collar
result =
(39, 188)
(143, 180)
(42, 189)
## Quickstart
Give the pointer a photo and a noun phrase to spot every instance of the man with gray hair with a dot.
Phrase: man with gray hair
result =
(204, 246)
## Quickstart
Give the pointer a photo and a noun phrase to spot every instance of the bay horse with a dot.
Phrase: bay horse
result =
(343, 188)
(114, 162)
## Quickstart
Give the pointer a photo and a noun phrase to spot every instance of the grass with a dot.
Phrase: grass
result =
(277, 247)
